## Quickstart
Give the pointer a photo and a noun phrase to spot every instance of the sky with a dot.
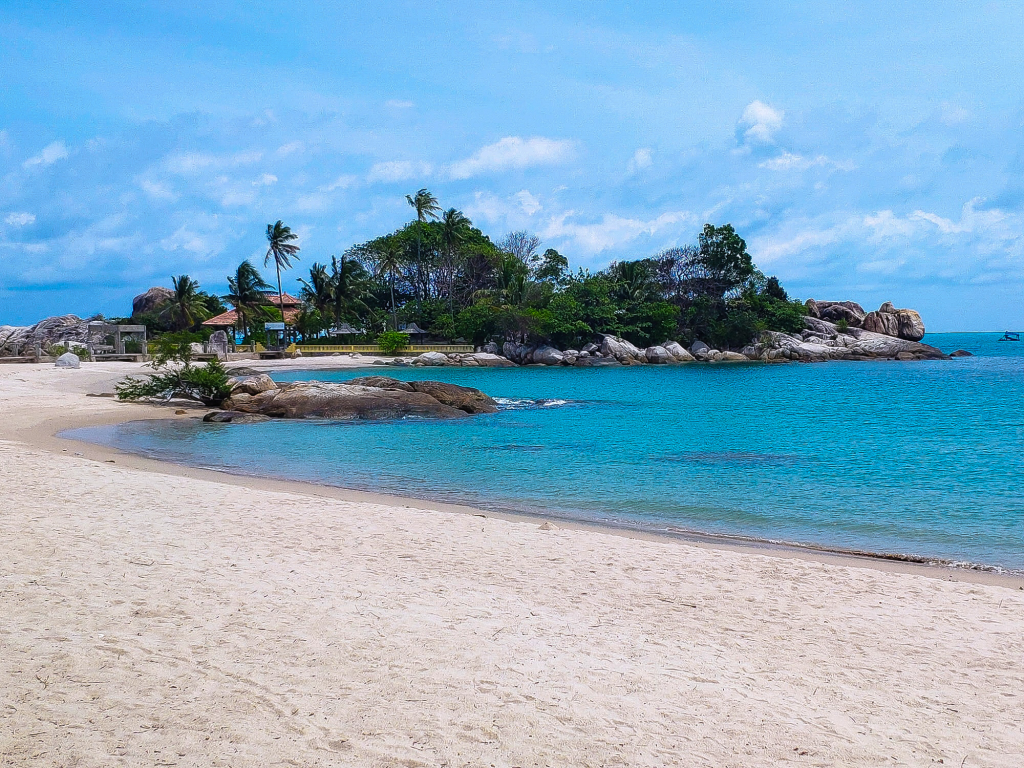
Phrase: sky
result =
(865, 152)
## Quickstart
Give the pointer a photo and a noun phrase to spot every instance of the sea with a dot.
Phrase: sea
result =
(921, 459)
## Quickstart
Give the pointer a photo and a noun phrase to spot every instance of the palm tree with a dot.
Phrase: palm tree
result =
(348, 286)
(426, 207)
(319, 291)
(282, 250)
(188, 305)
(453, 233)
(389, 257)
(245, 293)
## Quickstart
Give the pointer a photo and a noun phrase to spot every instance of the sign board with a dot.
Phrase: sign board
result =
(274, 326)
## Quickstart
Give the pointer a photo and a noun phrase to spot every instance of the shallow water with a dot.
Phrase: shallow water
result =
(919, 458)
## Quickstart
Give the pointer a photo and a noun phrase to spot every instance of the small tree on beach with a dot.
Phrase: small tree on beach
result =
(188, 305)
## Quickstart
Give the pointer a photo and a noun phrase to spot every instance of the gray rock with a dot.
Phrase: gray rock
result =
(490, 348)
(316, 399)
(547, 356)
(68, 360)
(219, 344)
(961, 353)
(679, 354)
(734, 357)
(487, 360)
(658, 355)
(431, 358)
(251, 385)
(62, 329)
(381, 382)
(698, 346)
(591, 348)
(151, 301)
(622, 351)
(234, 417)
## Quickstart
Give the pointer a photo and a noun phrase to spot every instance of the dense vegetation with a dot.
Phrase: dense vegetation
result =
(449, 278)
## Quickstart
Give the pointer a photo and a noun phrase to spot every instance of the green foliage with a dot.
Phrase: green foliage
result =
(842, 325)
(56, 350)
(478, 322)
(391, 342)
(724, 258)
(207, 383)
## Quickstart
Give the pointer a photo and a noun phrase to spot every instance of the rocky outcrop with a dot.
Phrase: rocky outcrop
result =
(834, 311)
(679, 354)
(547, 356)
(823, 341)
(431, 358)
(391, 400)
(251, 385)
(466, 399)
(381, 382)
(62, 329)
(902, 323)
(658, 355)
(621, 350)
(151, 301)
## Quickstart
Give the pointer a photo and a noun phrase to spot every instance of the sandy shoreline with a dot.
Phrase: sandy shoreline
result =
(157, 614)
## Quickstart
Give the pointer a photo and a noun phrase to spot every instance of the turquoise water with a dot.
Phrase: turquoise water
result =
(919, 458)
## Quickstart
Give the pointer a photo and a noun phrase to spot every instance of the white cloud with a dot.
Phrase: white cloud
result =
(400, 104)
(51, 154)
(189, 163)
(953, 114)
(528, 202)
(20, 219)
(156, 190)
(398, 170)
(266, 180)
(290, 148)
(762, 122)
(612, 230)
(641, 159)
(788, 161)
(344, 181)
(513, 152)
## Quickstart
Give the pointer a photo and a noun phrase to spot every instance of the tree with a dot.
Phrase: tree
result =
(426, 207)
(245, 294)
(282, 249)
(523, 245)
(187, 307)
(553, 267)
(724, 259)
(348, 287)
(454, 226)
(319, 291)
(388, 257)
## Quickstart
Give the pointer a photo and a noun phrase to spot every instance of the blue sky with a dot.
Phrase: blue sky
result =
(865, 152)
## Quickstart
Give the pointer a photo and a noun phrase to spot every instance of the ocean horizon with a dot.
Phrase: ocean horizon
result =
(916, 459)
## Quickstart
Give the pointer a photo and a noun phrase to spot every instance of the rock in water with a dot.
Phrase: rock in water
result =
(658, 355)
(315, 399)
(68, 360)
(547, 356)
(431, 358)
(151, 300)
(465, 399)
(961, 353)
(677, 351)
(252, 385)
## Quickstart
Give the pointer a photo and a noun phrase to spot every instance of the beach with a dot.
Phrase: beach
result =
(165, 615)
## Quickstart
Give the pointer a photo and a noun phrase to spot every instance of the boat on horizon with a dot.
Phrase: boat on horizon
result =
(1010, 336)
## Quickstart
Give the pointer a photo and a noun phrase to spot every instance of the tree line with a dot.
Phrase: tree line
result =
(449, 278)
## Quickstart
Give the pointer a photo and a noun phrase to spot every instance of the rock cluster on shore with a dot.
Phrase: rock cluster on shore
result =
(61, 329)
(366, 398)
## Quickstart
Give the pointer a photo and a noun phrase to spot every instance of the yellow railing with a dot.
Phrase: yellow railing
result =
(373, 349)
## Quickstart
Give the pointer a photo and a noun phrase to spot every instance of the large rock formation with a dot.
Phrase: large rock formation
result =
(823, 341)
(387, 399)
(887, 320)
(151, 301)
(621, 350)
(62, 329)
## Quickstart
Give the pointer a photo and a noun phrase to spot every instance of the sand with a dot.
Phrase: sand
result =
(154, 615)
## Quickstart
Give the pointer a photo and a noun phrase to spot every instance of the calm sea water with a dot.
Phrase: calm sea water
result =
(921, 458)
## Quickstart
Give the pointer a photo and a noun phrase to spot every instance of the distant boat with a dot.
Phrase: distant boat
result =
(1010, 336)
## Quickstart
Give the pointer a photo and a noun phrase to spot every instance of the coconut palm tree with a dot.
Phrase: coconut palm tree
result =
(453, 234)
(388, 259)
(188, 305)
(348, 286)
(245, 294)
(319, 291)
(426, 207)
(282, 250)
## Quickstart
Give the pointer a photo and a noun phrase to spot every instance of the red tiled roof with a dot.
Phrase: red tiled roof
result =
(230, 317)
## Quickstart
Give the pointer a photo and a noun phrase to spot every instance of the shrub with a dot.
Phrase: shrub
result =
(842, 326)
(391, 342)
(56, 350)
(207, 383)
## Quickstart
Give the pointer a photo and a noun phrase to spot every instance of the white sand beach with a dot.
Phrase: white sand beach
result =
(159, 615)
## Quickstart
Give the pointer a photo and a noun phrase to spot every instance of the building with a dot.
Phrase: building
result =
(228, 321)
